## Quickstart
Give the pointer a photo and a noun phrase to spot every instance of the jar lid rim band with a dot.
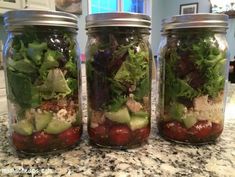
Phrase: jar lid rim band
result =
(119, 19)
(17, 18)
(201, 20)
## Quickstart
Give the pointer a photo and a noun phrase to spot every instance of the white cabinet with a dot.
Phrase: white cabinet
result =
(6, 5)
(40, 4)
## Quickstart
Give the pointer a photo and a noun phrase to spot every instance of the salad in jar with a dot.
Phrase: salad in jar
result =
(118, 80)
(43, 84)
(192, 108)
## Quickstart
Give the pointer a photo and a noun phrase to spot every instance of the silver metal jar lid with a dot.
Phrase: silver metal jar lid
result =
(203, 20)
(118, 19)
(17, 19)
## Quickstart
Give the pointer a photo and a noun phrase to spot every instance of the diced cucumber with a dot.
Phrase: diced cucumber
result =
(121, 116)
(42, 120)
(140, 114)
(23, 127)
(189, 121)
(177, 111)
(57, 126)
(138, 122)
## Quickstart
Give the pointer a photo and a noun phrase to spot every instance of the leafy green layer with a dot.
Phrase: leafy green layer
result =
(54, 86)
(194, 67)
(39, 68)
(120, 73)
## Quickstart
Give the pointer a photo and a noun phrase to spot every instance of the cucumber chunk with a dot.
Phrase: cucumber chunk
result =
(177, 111)
(140, 114)
(42, 120)
(121, 116)
(189, 121)
(138, 122)
(23, 127)
(57, 126)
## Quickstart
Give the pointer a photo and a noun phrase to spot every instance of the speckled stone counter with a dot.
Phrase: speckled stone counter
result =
(157, 158)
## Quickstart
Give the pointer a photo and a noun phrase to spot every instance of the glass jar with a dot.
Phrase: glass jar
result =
(193, 75)
(118, 72)
(42, 71)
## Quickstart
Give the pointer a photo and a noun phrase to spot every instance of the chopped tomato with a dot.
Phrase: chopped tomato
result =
(120, 135)
(174, 130)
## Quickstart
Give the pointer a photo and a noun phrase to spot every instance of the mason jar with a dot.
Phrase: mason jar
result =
(193, 77)
(118, 70)
(42, 71)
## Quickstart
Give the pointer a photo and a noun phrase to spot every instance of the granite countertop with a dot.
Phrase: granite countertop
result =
(157, 158)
